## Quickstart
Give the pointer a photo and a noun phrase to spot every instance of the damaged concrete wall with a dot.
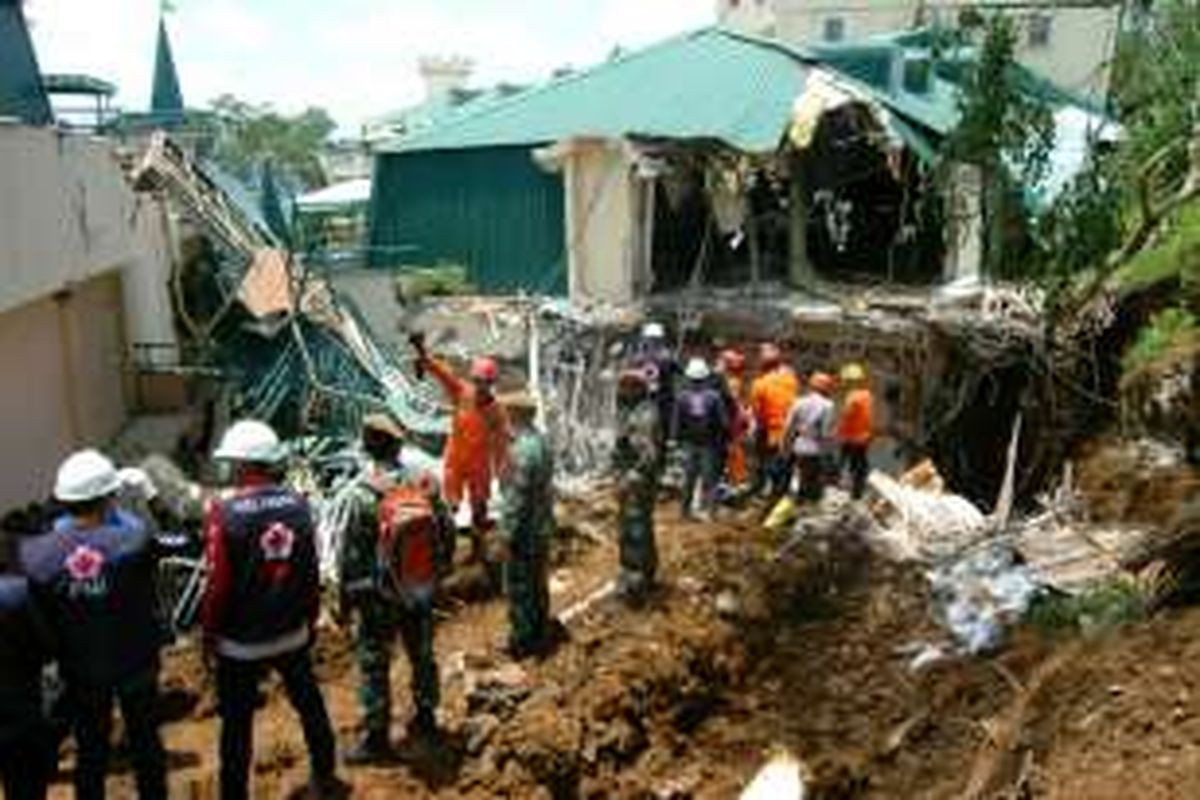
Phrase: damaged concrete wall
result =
(67, 214)
(602, 223)
(86, 264)
(64, 358)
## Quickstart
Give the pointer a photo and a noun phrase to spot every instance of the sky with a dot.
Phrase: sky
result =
(355, 58)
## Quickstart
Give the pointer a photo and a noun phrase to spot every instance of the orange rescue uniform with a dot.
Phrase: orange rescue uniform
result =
(771, 399)
(735, 464)
(478, 443)
(856, 426)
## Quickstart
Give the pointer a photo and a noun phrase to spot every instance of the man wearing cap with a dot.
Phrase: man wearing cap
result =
(260, 605)
(772, 396)
(856, 427)
(527, 525)
(478, 440)
(382, 611)
(809, 433)
(700, 426)
(93, 574)
(637, 460)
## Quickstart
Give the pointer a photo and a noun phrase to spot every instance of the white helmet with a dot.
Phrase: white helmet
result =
(251, 441)
(84, 476)
(654, 330)
(697, 370)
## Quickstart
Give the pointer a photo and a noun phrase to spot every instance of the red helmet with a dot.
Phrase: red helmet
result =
(633, 376)
(734, 361)
(770, 355)
(485, 369)
(822, 382)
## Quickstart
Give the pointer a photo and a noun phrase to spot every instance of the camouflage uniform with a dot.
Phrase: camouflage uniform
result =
(637, 460)
(381, 617)
(528, 524)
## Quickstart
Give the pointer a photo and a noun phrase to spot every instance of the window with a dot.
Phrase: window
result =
(1039, 30)
(835, 29)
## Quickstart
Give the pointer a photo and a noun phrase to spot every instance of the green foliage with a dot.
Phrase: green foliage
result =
(1080, 229)
(1006, 133)
(1177, 254)
(1167, 330)
(1002, 129)
(445, 280)
(1156, 84)
(1109, 605)
(252, 135)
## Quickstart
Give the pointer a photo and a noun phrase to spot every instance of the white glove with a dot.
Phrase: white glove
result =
(135, 479)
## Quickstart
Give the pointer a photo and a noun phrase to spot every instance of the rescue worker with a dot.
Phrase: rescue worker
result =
(478, 441)
(527, 525)
(657, 361)
(733, 368)
(700, 426)
(809, 433)
(637, 459)
(856, 427)
(27, 743)
(260, 605)
(93, 575)
(381, 611)
(772, 396)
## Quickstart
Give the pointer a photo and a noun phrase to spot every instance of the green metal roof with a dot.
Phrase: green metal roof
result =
(166, 99)
(21, 93)
(78, 84)
(709, 84)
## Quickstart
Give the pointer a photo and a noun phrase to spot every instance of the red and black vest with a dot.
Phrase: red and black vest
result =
(271, 557)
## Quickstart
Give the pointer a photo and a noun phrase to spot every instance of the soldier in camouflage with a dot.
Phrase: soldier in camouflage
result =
(527, 525)
(637, 461)
(380, 616)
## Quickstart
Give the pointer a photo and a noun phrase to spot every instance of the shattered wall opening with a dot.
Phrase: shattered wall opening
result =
(871, 212)
(721, 219)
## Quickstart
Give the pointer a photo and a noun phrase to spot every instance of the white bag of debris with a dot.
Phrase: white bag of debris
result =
(925, 525)
(981, 592)
(781, 778)
(979, 586)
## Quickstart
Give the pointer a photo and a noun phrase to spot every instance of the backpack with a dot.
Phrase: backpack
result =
(695, 413)
(406, 546)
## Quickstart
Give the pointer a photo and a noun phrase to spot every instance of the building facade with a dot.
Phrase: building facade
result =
(1070, 43)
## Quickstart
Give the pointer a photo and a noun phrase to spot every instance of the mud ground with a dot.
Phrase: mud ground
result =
(739, 654)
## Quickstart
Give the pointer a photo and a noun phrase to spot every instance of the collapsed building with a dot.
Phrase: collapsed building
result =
(739, 188)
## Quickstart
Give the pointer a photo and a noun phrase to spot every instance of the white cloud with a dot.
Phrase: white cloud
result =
(355, 57)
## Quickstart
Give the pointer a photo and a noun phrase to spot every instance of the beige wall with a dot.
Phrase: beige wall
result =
(67, 214)
(63, 358)
(84, 269)
(602, 220)
(1081, 39)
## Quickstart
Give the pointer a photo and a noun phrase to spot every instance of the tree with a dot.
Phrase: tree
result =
(1156, 92)
(252, 135)
(1004, 132)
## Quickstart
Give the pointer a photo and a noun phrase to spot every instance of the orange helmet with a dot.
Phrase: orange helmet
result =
(770, 355)
(734, 361)
(485, 369)
(822, 382)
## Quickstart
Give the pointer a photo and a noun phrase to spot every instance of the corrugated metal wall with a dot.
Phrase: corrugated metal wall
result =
(491, 210)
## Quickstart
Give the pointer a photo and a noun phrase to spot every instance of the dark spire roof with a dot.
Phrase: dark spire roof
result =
(21, 92)
(166, 101)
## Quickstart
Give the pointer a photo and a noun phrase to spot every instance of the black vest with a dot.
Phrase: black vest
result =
(24, 648)
(97, 587)
(272, 558)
